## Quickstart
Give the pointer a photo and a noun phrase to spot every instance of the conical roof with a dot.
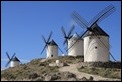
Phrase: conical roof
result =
(97, 30)
(53, 43)
(76, 36)
(15, 59)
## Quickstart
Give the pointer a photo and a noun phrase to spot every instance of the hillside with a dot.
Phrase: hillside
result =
(71, 69)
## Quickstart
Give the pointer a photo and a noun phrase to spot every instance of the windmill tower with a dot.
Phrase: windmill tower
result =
(93, 50)
(77, 49)
(14, 61)
(51, 47)
(96, 41)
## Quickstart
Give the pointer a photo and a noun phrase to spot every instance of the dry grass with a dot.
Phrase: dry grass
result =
(104, 72)
(35, 69)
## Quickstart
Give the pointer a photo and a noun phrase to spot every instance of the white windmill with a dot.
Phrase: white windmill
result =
(14, 61)
(96, 41)
(93, 50)
(77, 49)
(51, 47)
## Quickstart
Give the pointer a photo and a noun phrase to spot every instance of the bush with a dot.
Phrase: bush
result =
(33, 75)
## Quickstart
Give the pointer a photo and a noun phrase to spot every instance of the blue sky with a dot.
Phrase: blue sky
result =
(23, 23)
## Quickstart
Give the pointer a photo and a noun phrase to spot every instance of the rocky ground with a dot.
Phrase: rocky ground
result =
(72, 68)
(39, 70)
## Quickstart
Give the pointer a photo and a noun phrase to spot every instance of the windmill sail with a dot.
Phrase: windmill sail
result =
(103, 14)
(50, 50)
(46, 42)
(100, 16)
(9, 58)
(67, 36)
(13, 58)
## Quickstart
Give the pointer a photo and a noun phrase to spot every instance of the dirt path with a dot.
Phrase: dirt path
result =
(73, 69)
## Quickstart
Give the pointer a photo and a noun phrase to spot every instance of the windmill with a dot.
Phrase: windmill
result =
(96, 41)
(77, 49)
(13, 61)
(51, 46)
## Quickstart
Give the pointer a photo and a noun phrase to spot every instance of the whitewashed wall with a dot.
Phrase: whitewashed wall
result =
(76, 49)
(94, 50)
(52, 50)
(14, 63)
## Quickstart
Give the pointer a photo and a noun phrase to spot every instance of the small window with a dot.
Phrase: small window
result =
(95, 47)
(51, 55)
(89, 37)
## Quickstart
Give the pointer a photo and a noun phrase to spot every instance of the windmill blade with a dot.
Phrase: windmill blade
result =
(112, 56)
(71, 30)
(7, 63)
(8, 55)
(43, 38)
(49, 36)
(79, 34)
(79, 20)
(83, 23)
(12, 56)
(46, 42)
(63, 31)
(76, 40)
(67, 36)
(102, 15)
(44, 48)
(65, 41)
(60, 50)
(9, 58)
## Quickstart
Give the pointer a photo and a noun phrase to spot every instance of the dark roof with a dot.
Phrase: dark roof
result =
(15, 59)
(53, 43)
(97, 31)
